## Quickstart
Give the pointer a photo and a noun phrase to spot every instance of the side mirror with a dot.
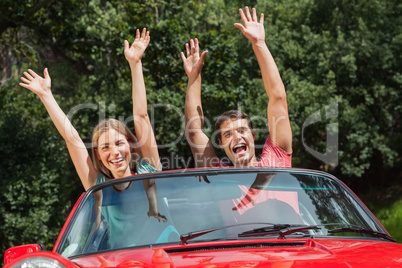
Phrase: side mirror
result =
(18, 251)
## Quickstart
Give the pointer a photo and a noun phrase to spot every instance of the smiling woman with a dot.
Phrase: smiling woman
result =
(116, 151)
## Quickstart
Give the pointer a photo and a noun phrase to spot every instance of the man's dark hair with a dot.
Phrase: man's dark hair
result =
(231, 114)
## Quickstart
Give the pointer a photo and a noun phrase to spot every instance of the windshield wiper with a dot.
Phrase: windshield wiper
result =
(361, 231)
(191, 235)
(282, 229)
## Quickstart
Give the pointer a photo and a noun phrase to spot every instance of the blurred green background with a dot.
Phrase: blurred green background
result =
(342, 53)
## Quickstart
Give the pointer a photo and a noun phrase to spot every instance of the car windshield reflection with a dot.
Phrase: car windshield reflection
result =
(232, 202)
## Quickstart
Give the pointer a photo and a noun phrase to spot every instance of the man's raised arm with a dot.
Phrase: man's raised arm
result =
(200, 144)
(278, 118)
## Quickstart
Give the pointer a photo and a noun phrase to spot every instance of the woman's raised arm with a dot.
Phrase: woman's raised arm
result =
(41, 86)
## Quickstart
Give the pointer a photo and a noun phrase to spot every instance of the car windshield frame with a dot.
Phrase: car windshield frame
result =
(203, 174)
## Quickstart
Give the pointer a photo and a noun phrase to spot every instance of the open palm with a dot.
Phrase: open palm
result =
(252, 28)
(137, 49)
(193, 62)
(36, 83)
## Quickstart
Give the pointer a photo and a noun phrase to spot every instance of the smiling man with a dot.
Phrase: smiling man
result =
(234, 128)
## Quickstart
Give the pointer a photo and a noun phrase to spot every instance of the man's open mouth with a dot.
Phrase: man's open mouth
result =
(239, 148)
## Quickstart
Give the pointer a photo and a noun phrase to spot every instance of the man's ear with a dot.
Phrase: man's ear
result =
(220, 143)
(253, 134)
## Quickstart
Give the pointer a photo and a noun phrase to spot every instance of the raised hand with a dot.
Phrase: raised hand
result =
(193, 62)
(251, 27)
(35, 83)
(134, 52)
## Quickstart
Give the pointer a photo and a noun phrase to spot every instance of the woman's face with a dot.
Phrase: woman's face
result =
(114, 152)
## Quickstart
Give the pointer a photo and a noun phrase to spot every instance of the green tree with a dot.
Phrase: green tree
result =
(32, 195)
(348, 53)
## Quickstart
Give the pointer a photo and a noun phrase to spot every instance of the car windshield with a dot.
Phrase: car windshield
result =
(233, 201)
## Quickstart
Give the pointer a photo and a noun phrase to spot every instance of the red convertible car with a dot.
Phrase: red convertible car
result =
(218, 217)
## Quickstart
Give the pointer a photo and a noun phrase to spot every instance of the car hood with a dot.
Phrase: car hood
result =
(256, 253)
